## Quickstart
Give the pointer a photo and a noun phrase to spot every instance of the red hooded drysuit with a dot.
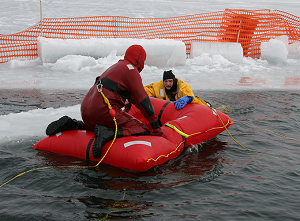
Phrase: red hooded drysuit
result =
(126, 75)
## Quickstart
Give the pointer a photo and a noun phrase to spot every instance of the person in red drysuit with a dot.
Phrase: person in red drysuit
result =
(120, 83)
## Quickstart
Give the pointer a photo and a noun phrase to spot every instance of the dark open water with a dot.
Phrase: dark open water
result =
(216, 180)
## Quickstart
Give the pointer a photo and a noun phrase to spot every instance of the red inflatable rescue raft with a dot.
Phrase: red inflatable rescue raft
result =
(191, 125)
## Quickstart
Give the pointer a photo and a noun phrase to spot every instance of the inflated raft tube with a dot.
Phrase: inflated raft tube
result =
(191, 125)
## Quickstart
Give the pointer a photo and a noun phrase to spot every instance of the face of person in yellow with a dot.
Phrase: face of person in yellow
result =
(168, 83)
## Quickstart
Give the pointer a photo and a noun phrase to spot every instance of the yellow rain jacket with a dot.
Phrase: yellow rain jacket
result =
(157, 89)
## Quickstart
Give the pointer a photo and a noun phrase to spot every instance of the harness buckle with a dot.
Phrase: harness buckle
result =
(99, 83)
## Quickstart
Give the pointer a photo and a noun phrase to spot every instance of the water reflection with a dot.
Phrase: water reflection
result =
(100, 208)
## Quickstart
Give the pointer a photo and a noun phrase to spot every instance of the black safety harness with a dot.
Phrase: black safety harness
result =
(114, 87)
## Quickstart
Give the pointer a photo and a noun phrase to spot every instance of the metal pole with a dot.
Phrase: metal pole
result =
(41, 13)
(237, 40)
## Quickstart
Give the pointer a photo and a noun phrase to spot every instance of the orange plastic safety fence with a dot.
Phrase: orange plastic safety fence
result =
(247, 27)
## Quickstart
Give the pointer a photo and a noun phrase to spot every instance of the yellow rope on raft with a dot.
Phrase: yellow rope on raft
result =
(184, 135)
(188, 135)
(167, 154)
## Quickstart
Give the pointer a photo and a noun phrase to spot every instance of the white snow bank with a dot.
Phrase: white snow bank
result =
(33, 123)
(160, 52)
(294, 50)
(278, 50)
(231, 51)
(274, 51)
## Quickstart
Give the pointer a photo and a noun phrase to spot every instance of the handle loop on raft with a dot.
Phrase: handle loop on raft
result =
(177, 130)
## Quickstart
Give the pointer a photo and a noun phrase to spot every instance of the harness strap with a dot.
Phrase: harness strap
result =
(112, 86)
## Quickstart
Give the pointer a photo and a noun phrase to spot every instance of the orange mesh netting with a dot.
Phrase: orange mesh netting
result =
(248, 27)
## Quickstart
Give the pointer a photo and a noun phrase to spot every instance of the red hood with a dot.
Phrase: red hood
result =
(136, 55)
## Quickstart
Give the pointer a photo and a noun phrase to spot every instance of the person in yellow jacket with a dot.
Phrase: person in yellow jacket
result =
(173, 89)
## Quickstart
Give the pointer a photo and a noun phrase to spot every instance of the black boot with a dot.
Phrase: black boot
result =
(103, 135)
(62, 124)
